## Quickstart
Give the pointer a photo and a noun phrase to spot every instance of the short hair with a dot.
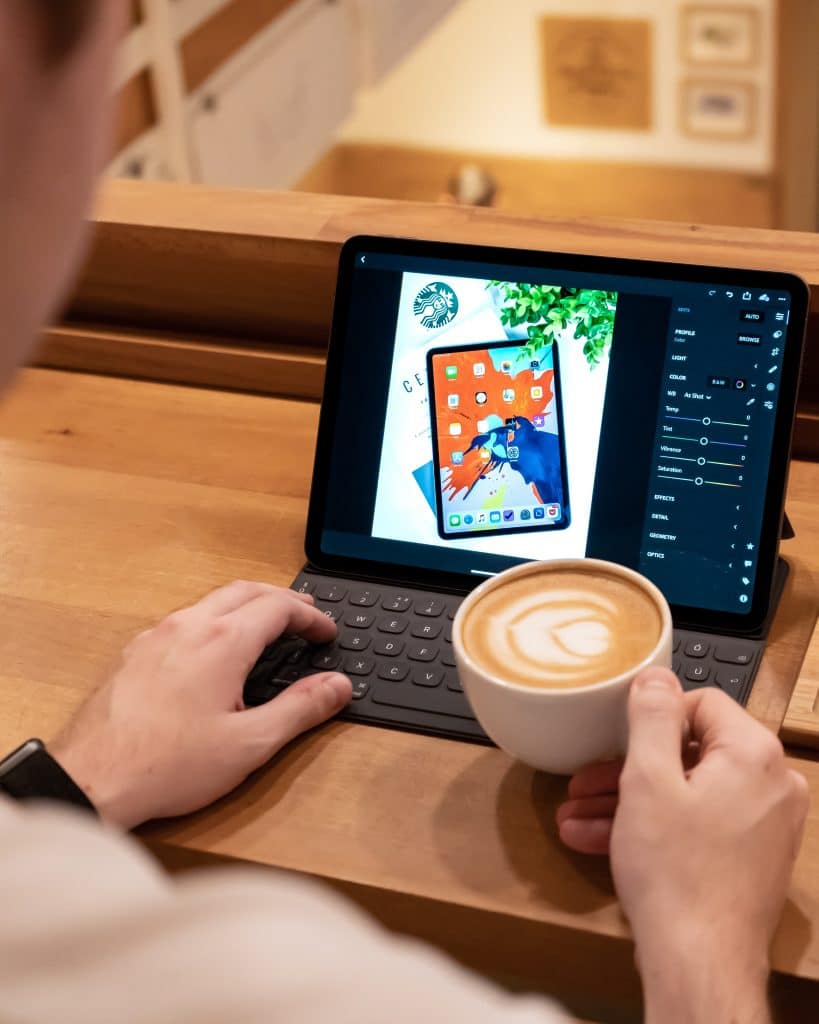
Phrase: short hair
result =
(62, 23)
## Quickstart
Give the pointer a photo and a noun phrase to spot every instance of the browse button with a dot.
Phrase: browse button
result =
(749, 339)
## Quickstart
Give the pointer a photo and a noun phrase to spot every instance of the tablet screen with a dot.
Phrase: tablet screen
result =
(481, 412)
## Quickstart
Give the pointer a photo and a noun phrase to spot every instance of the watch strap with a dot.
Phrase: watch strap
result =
(31, 773)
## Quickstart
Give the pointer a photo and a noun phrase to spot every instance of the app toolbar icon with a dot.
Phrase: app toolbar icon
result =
(457, 458)
(451, 373)
(540, 513)
(495, 517)
(525, 514)
(480, 398)
(508, 515)
(513, 452)
(454, 521)
(453, 401)
(479, 369)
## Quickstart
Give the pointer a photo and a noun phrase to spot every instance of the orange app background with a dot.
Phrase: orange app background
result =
(494, 383)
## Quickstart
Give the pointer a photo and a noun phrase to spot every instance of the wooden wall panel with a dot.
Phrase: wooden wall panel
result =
(552, 187)
(219, 38)
(136, 110)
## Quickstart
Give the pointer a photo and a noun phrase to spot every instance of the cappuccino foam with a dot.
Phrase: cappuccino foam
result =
(562, 629)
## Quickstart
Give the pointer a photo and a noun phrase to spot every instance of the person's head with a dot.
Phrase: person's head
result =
(55, 68)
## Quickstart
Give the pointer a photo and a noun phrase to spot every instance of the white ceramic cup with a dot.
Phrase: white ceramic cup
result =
(556, 730)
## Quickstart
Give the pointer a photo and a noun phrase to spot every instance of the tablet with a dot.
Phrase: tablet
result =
(489, 406)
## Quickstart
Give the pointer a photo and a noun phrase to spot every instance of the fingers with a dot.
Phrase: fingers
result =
(596, 779)
(657, 724)
(228, 598)
(302, 706)
(267, 617)
(718, 721)
(591, 807)
(591, 835)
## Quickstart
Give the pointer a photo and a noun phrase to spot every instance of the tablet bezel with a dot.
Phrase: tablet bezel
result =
(552, 262)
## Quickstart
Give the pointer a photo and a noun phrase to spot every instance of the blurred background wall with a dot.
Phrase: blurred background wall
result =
(702, 111)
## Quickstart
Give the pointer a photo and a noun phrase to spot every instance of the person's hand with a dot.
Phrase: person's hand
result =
(703, 823)
(169, 733)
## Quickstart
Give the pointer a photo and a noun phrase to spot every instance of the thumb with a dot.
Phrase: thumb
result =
(302, 706)
(657, 721)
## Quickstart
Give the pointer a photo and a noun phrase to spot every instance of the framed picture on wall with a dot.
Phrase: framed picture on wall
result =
(718, 36)
(718, 110)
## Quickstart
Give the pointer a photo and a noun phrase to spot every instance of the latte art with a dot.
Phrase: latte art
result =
(562, 629)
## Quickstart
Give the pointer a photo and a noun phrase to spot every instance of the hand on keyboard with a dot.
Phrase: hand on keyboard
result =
(169, 733)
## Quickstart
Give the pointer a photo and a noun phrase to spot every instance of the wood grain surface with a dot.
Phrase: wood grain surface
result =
(123, 500)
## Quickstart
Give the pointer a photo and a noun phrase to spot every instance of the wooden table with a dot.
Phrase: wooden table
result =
(122, 500)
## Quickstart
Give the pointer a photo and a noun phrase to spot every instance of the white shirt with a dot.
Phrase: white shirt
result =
(93, 932)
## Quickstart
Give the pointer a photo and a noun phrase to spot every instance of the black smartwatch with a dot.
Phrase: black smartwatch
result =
(31, 773)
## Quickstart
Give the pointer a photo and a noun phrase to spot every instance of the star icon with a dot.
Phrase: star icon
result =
(749, 547)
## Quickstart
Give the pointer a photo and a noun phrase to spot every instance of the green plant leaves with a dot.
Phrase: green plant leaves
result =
(548, 310)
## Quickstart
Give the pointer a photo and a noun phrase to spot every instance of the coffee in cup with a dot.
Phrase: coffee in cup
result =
(562, 629)
(546, 654)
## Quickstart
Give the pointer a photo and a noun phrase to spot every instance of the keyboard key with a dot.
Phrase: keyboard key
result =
(735, 653)
(448, 633)
(426, 630)
(331, 592)
(415, 698)
(453, 682)
(448, 657)
(326, 661)
(259, 694)
(389, 648)
(333, 614)
(364, 598)
(697, 649)
(697, 673)
(358, 665)
(297, 653)
(677, 642)
(398, 603)
(422, 652)
(304, 585)
(395, 626)
(360, 620)
(395, 672)
(429, 609)
(428, 677)
(354, 642)
(361, 687)
(288, 675)
(730, 679)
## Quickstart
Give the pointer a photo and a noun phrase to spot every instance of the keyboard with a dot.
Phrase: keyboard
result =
(395, 644)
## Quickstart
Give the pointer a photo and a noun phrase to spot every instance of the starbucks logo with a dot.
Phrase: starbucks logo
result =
(436, 305)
